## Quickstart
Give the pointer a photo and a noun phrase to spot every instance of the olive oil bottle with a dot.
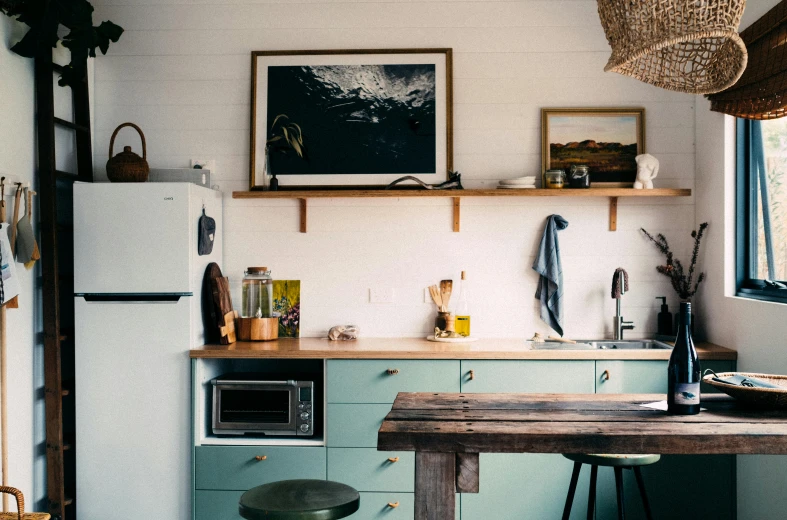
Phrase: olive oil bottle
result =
(462, 312)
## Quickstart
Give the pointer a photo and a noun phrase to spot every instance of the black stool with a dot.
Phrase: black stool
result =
(619, 463)
(299, 500)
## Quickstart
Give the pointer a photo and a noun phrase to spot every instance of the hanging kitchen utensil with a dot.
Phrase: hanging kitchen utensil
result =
(206, 234)
(15, 218)
(36, 254)
(128, 166)
(12, 303)
(25, 239)
(691, 47)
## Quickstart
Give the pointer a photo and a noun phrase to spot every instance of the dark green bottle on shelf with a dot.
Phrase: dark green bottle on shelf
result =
(683, 371)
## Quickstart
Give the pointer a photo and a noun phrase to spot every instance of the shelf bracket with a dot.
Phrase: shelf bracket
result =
(613, 213)
(457, 211)
(304, 215)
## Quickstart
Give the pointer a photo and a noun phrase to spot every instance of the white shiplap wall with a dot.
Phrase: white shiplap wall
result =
(182, 72)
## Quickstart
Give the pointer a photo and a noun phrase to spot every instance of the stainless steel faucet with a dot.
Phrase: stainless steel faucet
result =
(619, 286)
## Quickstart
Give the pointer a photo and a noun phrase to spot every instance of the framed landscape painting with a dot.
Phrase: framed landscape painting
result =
(350, 118)
(605, 139)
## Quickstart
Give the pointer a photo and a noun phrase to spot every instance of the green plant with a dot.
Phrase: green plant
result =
(45, 17)
(673, 269)
(289, 136)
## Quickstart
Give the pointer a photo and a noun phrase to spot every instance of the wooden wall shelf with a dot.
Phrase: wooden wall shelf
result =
(612, 193)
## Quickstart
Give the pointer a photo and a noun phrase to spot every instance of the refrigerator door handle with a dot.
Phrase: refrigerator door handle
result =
(133, 298)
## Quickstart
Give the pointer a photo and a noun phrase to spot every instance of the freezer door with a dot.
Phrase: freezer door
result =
(132, 396)
(133, 238)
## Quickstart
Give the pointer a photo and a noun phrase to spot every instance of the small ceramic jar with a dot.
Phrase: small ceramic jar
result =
(579, 177)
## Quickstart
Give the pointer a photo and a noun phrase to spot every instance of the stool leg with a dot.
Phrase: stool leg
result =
(592, 493)
(572, 488)
(619, 488)
(641, 485)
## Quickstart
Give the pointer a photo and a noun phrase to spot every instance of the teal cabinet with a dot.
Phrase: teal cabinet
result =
(528, 376)
(367, 469)
(699, 486)
(355, 425)
(379, 380)
(385, 506)
(237, 467)
(216, 505)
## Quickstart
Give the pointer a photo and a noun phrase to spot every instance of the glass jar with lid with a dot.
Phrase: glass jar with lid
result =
(579, 176)
(554, 179)
(257, 294)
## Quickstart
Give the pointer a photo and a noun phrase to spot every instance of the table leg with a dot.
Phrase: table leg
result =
(435, 486)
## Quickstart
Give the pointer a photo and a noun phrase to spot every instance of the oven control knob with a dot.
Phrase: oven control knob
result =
(300, 406)
(304, 428)
(305, 416)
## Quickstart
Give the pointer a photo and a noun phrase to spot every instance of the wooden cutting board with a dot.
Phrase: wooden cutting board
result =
(217, 313)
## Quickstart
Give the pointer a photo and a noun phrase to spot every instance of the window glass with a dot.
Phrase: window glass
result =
(769, 261)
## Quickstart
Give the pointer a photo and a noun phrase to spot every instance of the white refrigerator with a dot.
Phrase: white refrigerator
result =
(138, 279)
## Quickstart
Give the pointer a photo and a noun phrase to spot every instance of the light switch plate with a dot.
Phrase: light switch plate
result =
(427, 295)
(381, 295)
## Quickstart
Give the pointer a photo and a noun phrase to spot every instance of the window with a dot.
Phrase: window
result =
(762, 209)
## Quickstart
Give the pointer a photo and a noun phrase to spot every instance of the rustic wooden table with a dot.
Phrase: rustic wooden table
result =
(448, 431)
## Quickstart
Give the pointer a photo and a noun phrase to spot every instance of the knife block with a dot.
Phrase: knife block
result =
(257, 329)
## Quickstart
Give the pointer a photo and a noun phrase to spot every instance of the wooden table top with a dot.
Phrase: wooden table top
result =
(420, 348)
(576, 423)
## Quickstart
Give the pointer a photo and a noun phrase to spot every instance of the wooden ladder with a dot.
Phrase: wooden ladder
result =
(57, 264)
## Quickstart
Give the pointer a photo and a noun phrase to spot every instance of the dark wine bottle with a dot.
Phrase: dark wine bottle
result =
(683, 371)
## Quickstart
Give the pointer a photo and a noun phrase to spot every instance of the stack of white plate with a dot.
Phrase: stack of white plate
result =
(520, 183)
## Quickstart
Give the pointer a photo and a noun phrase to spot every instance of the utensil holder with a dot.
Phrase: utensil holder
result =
(444, 321)
(257, 329)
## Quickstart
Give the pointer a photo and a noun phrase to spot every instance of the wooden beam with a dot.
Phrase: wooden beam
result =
(613, 214)
(304, 215)
(457, 209)
(467, 469)
(435, 485)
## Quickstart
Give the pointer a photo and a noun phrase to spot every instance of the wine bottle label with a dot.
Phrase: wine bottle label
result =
(687, 393)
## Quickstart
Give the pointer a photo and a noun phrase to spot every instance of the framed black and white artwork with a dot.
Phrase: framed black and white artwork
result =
(350, 118)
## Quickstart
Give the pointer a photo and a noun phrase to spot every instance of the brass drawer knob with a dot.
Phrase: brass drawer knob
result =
(392, 371)
(393, 505)
(393, 459)
(471, 375)
(259, 458)
(605, 375)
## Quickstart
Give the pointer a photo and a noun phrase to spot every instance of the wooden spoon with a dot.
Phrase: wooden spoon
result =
(446, 286)
(435, 293)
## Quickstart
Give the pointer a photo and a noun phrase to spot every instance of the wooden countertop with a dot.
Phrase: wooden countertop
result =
(416, 348)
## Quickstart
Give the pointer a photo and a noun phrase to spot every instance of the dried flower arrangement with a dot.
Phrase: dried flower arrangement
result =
(681, 280)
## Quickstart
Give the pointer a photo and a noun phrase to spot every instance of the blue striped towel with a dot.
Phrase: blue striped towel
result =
(550, 284)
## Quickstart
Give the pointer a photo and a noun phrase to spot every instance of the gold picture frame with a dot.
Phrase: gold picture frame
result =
(598, 137)
(261, 61)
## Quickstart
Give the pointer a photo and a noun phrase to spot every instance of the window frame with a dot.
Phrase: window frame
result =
(746, 221)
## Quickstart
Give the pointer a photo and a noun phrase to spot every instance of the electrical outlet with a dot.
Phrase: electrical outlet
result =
(381, 295)
(208, 164)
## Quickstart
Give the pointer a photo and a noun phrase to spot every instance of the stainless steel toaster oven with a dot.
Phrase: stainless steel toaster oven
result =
(245, 404)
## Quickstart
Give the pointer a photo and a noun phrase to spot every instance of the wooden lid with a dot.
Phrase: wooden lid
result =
(256, 269)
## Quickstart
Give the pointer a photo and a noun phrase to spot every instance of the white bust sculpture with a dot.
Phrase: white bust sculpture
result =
(647, 170)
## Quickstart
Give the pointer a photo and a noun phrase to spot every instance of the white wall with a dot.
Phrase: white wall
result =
(25, 359)
(755, 329)
(182, 72)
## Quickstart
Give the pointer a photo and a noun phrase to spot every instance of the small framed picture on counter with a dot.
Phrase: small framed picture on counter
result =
(350, 118)
(605, 139)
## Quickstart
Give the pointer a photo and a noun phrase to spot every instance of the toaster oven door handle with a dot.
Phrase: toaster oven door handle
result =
(290, 382)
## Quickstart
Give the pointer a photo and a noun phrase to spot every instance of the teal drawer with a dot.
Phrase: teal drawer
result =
(644, 377)
(368, 381)
(528, 376)
(375, 506)
(235, 467)
(367, 469)
(355, 425)
(216, 505)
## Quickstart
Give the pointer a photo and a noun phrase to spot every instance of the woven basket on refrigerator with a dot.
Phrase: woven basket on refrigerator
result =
(20, 507)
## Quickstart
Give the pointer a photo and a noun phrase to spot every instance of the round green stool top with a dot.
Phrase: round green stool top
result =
(299, 500)
(613, 461)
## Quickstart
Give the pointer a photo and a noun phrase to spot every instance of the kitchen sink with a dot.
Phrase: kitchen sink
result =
(604, 344)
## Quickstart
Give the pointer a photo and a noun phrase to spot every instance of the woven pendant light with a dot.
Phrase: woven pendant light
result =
(689, 46)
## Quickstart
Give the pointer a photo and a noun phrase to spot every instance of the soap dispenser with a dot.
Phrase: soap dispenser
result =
(665, 318)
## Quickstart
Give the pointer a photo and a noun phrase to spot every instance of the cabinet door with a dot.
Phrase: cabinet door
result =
(367, 469)
(355, 425)
(699, 486)
(216, 505)
(483, 376)
(525, 486)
